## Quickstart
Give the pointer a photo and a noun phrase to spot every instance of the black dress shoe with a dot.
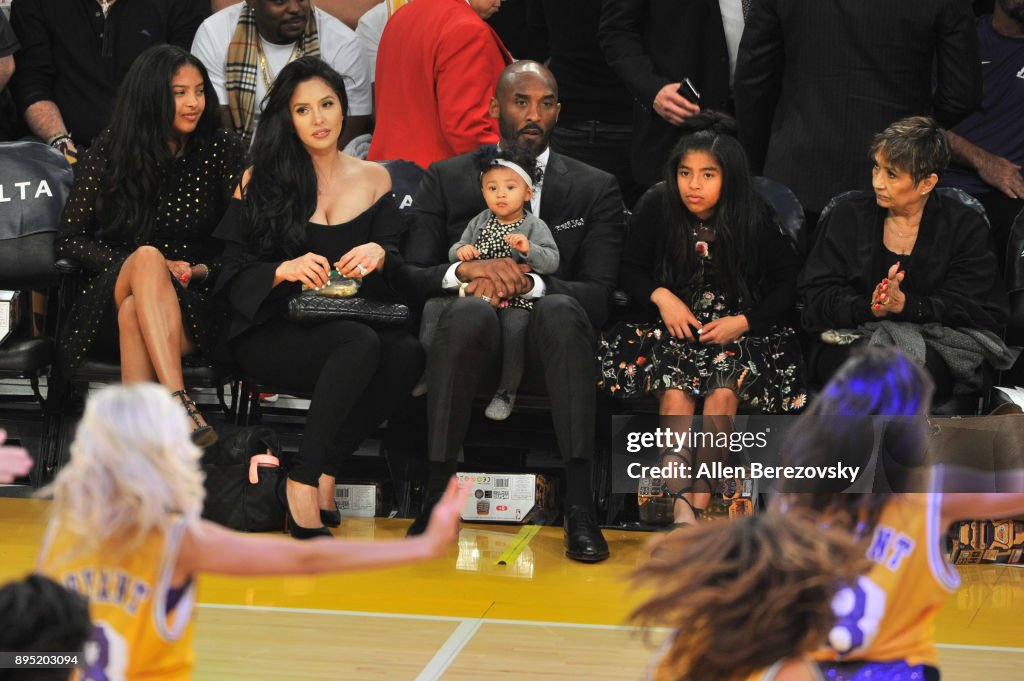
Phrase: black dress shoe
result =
(331, 518)
(583, 539)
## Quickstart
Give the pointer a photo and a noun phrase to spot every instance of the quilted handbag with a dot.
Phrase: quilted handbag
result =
(310, 308)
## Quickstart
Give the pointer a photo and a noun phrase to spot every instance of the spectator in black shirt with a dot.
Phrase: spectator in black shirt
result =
(596, 122)
(8, 46)
(76, 52)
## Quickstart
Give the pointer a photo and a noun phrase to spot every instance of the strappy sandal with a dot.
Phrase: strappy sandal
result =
(698, 513)
(202, 435)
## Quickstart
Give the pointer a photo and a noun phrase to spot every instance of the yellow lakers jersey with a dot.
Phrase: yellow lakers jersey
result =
(890, 613)
(142, 628)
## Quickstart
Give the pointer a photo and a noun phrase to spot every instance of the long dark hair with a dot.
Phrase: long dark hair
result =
(739, 215)
(135, 144)
(281, 193)
(743, 594)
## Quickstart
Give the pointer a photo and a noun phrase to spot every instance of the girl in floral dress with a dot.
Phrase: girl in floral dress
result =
(714, 279)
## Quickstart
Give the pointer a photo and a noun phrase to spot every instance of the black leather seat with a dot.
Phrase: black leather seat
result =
(36, 180)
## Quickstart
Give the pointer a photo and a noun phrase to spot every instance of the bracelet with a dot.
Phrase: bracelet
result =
(58, 139)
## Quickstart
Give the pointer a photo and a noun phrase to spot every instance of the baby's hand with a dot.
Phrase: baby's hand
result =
(518, 242)
(467, 253)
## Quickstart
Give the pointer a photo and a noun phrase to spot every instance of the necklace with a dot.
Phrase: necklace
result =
(268, 79)
(701, 226)
(902, 235)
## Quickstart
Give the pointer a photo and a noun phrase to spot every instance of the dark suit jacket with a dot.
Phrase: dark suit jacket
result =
(816, 79)
(650, 43)
(580, 204)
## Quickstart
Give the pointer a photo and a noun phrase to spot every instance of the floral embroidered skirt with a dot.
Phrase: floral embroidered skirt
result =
(766, 371)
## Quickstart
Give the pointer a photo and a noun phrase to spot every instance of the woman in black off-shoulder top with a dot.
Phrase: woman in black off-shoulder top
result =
(303, 209)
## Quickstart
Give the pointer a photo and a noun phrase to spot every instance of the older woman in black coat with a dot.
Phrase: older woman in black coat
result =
(907, 266)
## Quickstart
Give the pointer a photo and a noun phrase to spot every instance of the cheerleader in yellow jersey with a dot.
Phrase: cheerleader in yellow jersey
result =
(125, 532)
(885, 627)
(747, 599)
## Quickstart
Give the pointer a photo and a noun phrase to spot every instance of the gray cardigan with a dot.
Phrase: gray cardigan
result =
(543, 257)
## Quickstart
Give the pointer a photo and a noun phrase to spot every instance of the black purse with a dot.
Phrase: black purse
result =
(245, 478)
(310, 308)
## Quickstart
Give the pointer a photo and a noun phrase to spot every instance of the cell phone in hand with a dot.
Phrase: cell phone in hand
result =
(688, 90)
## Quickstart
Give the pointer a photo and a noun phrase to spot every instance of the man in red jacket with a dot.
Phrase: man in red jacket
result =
(437, 66)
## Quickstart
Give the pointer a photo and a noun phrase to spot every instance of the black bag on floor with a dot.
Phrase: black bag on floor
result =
(245, 479)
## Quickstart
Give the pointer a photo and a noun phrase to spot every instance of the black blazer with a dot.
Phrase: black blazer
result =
(650, 43)
(816, 79)
(581, 205)
(952, 275)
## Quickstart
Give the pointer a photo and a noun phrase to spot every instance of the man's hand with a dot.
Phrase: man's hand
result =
(484, 289)
(724, 330)
(1002, 175)
(467, 253)
(509, 279)
(672, 106)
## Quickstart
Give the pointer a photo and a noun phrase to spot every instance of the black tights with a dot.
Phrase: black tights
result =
(356, 377)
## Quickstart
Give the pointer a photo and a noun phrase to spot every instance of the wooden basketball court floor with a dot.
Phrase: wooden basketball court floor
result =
(464, 617)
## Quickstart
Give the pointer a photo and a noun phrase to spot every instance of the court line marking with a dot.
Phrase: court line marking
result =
(532, 623)
(450, 650)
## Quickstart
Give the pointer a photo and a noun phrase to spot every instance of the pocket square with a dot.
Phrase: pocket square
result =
(569, 224)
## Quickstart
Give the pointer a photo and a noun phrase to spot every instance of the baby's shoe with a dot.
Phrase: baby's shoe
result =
(501, 406)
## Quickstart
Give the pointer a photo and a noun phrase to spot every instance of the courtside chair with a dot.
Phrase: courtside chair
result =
(34, 183)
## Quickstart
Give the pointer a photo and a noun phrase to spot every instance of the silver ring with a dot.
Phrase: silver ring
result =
(486, 299)
(362, 270)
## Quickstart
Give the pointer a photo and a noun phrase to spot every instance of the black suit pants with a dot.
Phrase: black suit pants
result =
(465, 360)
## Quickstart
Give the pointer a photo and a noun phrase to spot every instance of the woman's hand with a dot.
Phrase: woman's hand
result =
(310, 269)
(361, 260)
(675, 313)
(180, 270)
(467, 253)
(724, 330)
(443, 529)
(888, 298)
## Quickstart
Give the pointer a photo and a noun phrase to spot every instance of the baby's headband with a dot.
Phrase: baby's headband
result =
(516, 168)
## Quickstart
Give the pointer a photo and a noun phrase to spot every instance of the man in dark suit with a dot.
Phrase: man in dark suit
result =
(583, 208)
(653, 45)
(816, 80)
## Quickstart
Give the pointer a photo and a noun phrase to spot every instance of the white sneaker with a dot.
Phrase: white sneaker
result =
(501, 406)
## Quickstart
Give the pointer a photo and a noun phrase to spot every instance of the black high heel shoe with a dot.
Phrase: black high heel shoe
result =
(203, 435)
(293, 528)
(331, 518)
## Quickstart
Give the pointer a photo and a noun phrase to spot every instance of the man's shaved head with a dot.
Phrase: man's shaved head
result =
(526, 105)
(510, 76)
